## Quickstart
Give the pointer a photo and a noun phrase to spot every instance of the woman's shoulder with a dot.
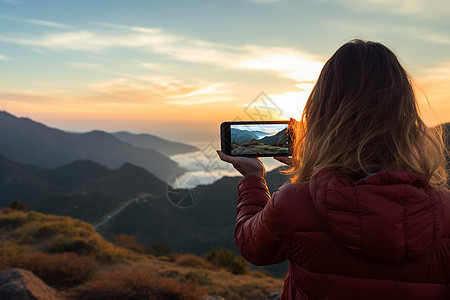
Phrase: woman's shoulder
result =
(294, 205)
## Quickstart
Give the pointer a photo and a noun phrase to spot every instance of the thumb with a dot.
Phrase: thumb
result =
(225, 157)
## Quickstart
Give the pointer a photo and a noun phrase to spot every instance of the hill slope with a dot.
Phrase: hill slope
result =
(17, 182)
(82, 189)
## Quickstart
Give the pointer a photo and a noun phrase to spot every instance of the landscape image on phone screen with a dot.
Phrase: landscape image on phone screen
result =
(265, 139)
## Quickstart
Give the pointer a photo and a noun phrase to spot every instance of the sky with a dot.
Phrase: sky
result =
(177, 69)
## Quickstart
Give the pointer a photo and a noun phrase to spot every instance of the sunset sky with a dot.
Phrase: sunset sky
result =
(177, 69)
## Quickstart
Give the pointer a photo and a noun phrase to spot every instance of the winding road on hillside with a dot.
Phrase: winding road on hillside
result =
(142, 197)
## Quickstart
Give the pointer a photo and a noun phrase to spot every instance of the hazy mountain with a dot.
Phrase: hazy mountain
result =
(85, 196)
(279, 138)
(71, 175)
(242, 136)
(125, 182)
(149, 141)
(26, 141)
(16, 182)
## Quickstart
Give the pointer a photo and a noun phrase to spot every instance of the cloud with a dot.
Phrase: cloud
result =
(420, 8)
(120, 89)
(2, 57)
(34, 21)
(286, 62)
(158, 90)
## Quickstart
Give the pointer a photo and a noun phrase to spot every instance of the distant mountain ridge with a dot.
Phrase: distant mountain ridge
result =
(156, 143)
(29, 142)
(82, 189)
(242, 136)
(278, 138)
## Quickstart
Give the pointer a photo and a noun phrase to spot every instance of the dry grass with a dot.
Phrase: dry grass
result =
(136, 284)
(58, 270)
(96, 269)
(37, 232)
(218, 282)
(191, 260)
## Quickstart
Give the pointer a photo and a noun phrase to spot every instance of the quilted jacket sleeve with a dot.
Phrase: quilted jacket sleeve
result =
(259, 232)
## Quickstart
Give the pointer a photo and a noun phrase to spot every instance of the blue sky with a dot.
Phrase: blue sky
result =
(179, 68)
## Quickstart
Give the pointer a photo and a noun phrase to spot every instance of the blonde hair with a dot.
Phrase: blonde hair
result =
(362, 117)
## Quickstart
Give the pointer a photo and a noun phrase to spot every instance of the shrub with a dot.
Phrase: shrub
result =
(165, 258)
(159, 249)
(8, 248)
(17, 205)
(46, 229)
(57, 270)
(191, 260)
(10, 219)
(136, 284)
(93, 246)
(222, 257)
(198, 278)
(77, 245)
(128, 242)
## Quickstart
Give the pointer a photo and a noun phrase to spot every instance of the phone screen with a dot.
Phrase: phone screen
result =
(259, 139)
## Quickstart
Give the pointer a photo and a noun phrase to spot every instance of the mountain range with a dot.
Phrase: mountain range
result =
(242, 136)
(28, 142)
(154, 142)
(278, 138)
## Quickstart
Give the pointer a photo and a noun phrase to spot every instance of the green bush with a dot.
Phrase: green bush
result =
(17, 205)
(228, 259)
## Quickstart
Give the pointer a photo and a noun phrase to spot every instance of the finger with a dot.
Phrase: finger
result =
(225, 157)
(281, 158)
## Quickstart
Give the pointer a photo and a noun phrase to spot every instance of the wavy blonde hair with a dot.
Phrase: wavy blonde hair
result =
(362, 116)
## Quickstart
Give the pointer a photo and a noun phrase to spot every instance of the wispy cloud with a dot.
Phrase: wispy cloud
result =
(286, 62)
(26, 96)
(35, 21)
(2, 57)
(420, 8)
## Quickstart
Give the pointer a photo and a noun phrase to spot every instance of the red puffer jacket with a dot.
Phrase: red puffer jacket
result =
(382, 237)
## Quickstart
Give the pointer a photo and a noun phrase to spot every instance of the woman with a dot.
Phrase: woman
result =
(366, 214)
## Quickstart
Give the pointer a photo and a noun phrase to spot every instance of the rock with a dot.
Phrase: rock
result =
(275, 295)
(210, 297)
(19, 284)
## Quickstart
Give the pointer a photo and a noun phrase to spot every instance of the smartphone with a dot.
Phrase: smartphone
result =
(256, 139)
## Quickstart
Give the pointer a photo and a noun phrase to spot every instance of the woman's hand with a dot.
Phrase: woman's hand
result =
(247, 166)
(284, 159)
(292, 125)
